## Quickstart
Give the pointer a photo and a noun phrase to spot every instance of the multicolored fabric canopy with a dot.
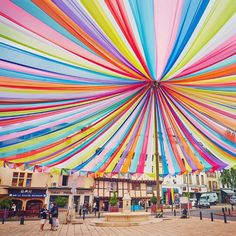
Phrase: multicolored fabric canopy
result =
(79, 80)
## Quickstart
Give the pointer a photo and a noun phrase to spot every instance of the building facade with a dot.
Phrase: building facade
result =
(77, 189)
(30, 190)
(26, 189)
(194, 184)
(140, 190)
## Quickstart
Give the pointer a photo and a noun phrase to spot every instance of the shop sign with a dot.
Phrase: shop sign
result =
(27, 193)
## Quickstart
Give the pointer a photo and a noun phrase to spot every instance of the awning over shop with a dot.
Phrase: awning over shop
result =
(228, 191)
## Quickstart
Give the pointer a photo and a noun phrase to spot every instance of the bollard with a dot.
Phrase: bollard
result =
(225, 219)
(174, 212)
(22, 220)
(223, 210)
(98, 214)
(212, 216)
(83, 215)
(200, 215)
(4, 216)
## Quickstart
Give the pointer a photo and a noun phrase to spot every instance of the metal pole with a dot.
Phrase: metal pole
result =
(188, 193)
(156, 147)
(212, 216)
(225, 219)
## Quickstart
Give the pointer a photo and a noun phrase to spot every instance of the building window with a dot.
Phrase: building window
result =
(29, 180)
(86, 199)
(197, 180)
(184, 179)
(214, 185)
(18, 179)
(150, 189)
(136, 186)
(65, 180)
(15, 179)
(202, 179)
(210, 187)
(190, 179)
(211, 175)
(113, 187)
(21, 179)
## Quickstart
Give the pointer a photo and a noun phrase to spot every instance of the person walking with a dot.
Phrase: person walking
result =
(54, 213)
(43, 216)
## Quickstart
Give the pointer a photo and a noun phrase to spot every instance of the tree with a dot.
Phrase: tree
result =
(153, 200)
(228, 178)
(5, 203)
(61, 201)
(113, 200)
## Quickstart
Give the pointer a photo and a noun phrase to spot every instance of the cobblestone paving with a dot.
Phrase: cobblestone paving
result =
(179, 227)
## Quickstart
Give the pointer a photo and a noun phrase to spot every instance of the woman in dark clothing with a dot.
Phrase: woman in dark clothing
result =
(43, 216)
(54, 213)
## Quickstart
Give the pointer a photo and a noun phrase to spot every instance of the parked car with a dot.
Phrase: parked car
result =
(211, 197)
(203, 203)
(232, 200)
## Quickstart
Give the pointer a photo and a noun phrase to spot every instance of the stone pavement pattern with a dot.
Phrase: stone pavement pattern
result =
(179, 227)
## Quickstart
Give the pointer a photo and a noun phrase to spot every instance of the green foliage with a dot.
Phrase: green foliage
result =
(154, 199)
(228, 178)
(5, 203)
(186, 194)
(113, 200)
(61, 201)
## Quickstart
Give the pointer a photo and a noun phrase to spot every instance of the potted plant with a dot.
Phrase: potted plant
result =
(154, 202)
(5, 205)
(113, 203)
(61, 203)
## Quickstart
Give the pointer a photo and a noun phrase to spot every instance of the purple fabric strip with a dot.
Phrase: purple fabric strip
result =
(124, 155)
(73, 9)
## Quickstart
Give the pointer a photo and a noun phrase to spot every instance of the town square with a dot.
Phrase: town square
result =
(118, 117)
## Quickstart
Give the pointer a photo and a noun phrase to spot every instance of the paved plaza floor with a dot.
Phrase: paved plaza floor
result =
(170, 226)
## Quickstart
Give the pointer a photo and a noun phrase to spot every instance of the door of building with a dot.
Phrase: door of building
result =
(77, 202)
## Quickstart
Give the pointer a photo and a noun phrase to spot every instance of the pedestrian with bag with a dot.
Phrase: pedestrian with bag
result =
(43, 216)
(54, 213)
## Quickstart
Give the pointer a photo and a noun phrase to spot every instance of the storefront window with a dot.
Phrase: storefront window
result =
(86, 199)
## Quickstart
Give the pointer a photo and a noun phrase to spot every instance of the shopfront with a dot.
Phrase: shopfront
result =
(80, 196)
(27, 198)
